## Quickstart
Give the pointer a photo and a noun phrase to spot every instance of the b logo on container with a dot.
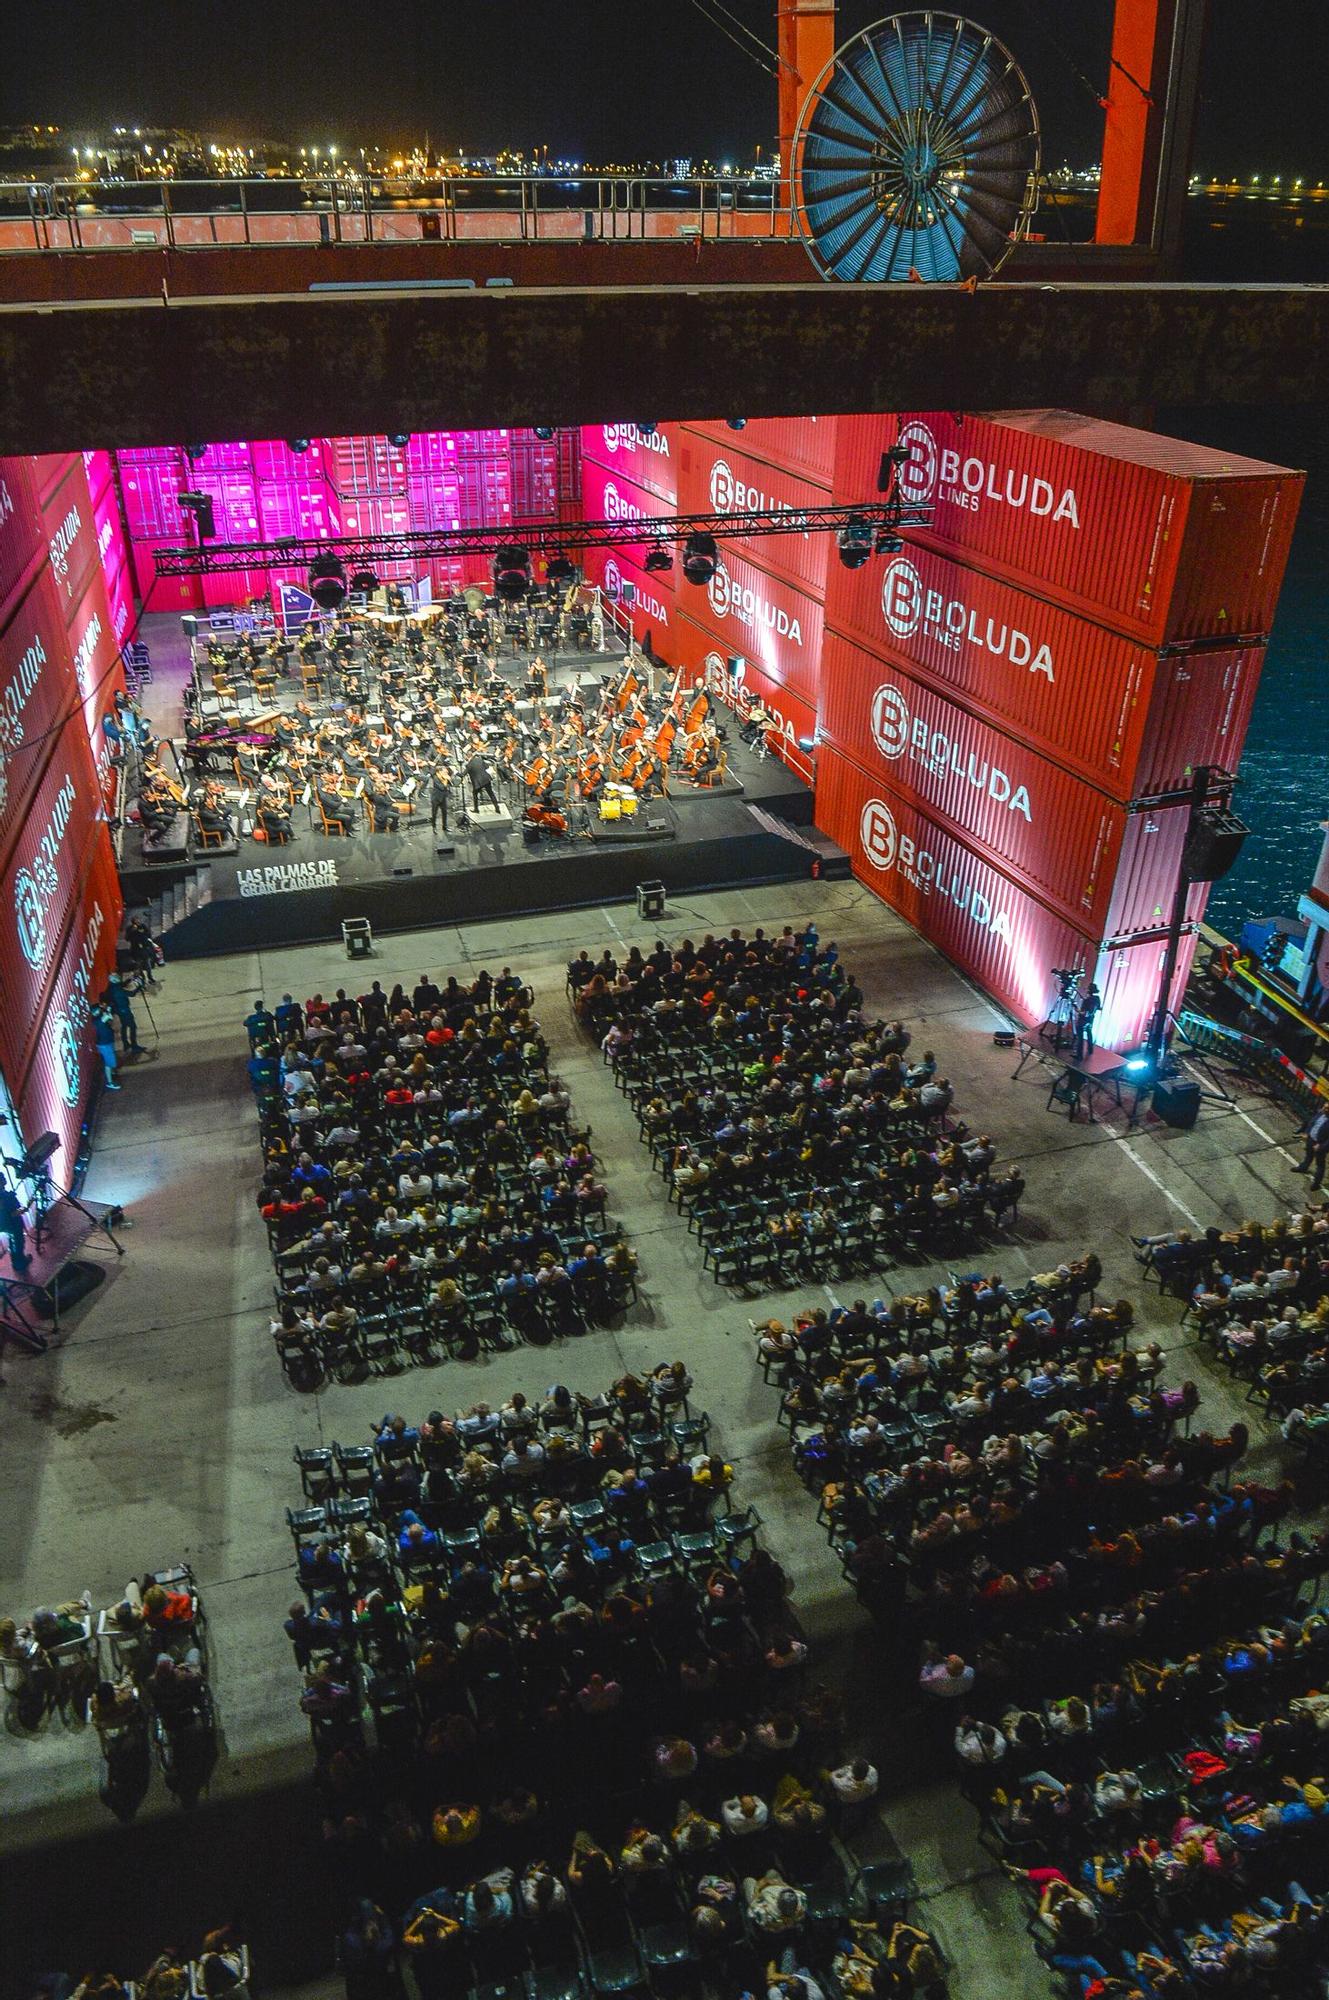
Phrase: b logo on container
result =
(877, 835)
(30, 918)
(68, 1059)
(613, 579)
(722, 487)
(720, 591)
(890, 722)
(918, 474)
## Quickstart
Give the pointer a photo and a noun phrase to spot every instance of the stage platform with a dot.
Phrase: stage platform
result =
(301, 892)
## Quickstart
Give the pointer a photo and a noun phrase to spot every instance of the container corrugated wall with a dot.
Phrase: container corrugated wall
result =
(71, 536)
(1161, 541)
(803, 445)
(1045, 827)
(99, 674)
(989, 926)
(21, 540)
(608, 494)
(653, 611)
(721, 478)
(51, 1090)
(775, 626)
(649, 460)
(37, 695)
(41, 872)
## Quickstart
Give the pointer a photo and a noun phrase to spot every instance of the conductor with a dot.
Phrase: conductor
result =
(478, 772)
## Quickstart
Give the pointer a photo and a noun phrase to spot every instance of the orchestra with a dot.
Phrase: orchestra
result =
(384, 714)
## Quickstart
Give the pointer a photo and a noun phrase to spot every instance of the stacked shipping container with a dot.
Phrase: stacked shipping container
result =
(1020, 697)
(59, 893)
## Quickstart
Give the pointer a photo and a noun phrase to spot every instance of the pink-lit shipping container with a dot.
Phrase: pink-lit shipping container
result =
(1106, 869)
(37, 695)
(43, 870)
(51, 1088)
(163, 593)
(653, 609)
(1160, 539)
(720, 478)
(50, 471)
(649, 461)
(1132, 721)
(802, 445)
(609, 495)
(775, 626)
(112, 541)
(990, 927)
(71, 536)
(99, 471)
(120, 597)
(99, 675)
(739, 686)
(22, 542)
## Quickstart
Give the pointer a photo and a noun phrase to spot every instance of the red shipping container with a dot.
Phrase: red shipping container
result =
(120, 597)
(707, 663)
(775, 626)
(71, 537)
(22, 541)
(50, 471)
(151, 488)
(43, 870)
(60, 1062)
(37, 697)
(1132, 721)
(804, 445)
(990, 927)
(649, 461)
(1160, 539)
(653, 610)
(1106, 869)
(717, 479)
(99, 676)
(163, 593)
(99, 471)
(610, 496)
(112, 541)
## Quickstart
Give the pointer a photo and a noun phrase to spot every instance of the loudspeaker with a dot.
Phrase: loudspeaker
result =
(445, 847)
(1177, 1102)
(406, 869)
(72, 1282)
(651, 899)
(1212, 844)
(1003, 1038)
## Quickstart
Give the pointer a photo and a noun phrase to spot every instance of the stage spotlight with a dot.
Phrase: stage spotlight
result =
(736, 423)
(327, 582)
(700, 556)
(399, 440)
(364, 581)
(560, 571)
(658, 559)
(647, 430)
(543, 431)
(193, 452)
(1138, 1063)
(200, 506)
(297, 445)
(512, 573)
(888, 544)
(854, 541)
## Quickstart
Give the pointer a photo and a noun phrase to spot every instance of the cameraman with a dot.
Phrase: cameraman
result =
(1085, 1015)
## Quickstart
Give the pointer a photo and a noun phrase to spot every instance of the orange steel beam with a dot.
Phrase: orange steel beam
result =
(805, 43)
(1148, 119)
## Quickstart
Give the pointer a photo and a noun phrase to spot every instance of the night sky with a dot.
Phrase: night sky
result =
(597, 78)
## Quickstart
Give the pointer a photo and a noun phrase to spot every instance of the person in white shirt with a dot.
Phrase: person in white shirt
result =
(944, 1676)
(854, 1784)
(744, 1815)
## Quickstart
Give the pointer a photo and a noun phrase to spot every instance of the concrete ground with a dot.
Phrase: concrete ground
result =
(161, 1427)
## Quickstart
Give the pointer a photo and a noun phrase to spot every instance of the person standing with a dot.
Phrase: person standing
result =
(438, 797)
(13, 1227)
(1085, 1016)
(478, 772)
(103, 1029)
(118, 1001)
(1316, 1134)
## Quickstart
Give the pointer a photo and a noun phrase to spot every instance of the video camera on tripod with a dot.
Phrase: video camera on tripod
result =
(1068, 978)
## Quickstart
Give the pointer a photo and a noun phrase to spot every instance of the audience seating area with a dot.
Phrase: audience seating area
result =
(567, 1735)
(219, 1971)
(425, 1191)
(797, 1137)
(138, 1671)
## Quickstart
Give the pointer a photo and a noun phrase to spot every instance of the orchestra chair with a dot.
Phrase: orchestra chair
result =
(207, 836)
(333, 827)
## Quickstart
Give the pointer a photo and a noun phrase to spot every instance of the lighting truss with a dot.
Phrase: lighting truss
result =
(547, 538)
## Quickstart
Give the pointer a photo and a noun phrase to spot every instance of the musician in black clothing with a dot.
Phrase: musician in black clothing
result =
(338, 812)
(478, 772)
(387, 817)
(438, 797)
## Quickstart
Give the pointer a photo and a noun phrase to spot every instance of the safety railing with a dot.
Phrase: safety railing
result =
(65, 215)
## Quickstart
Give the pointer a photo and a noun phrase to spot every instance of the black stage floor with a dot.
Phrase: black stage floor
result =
(302, 892)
